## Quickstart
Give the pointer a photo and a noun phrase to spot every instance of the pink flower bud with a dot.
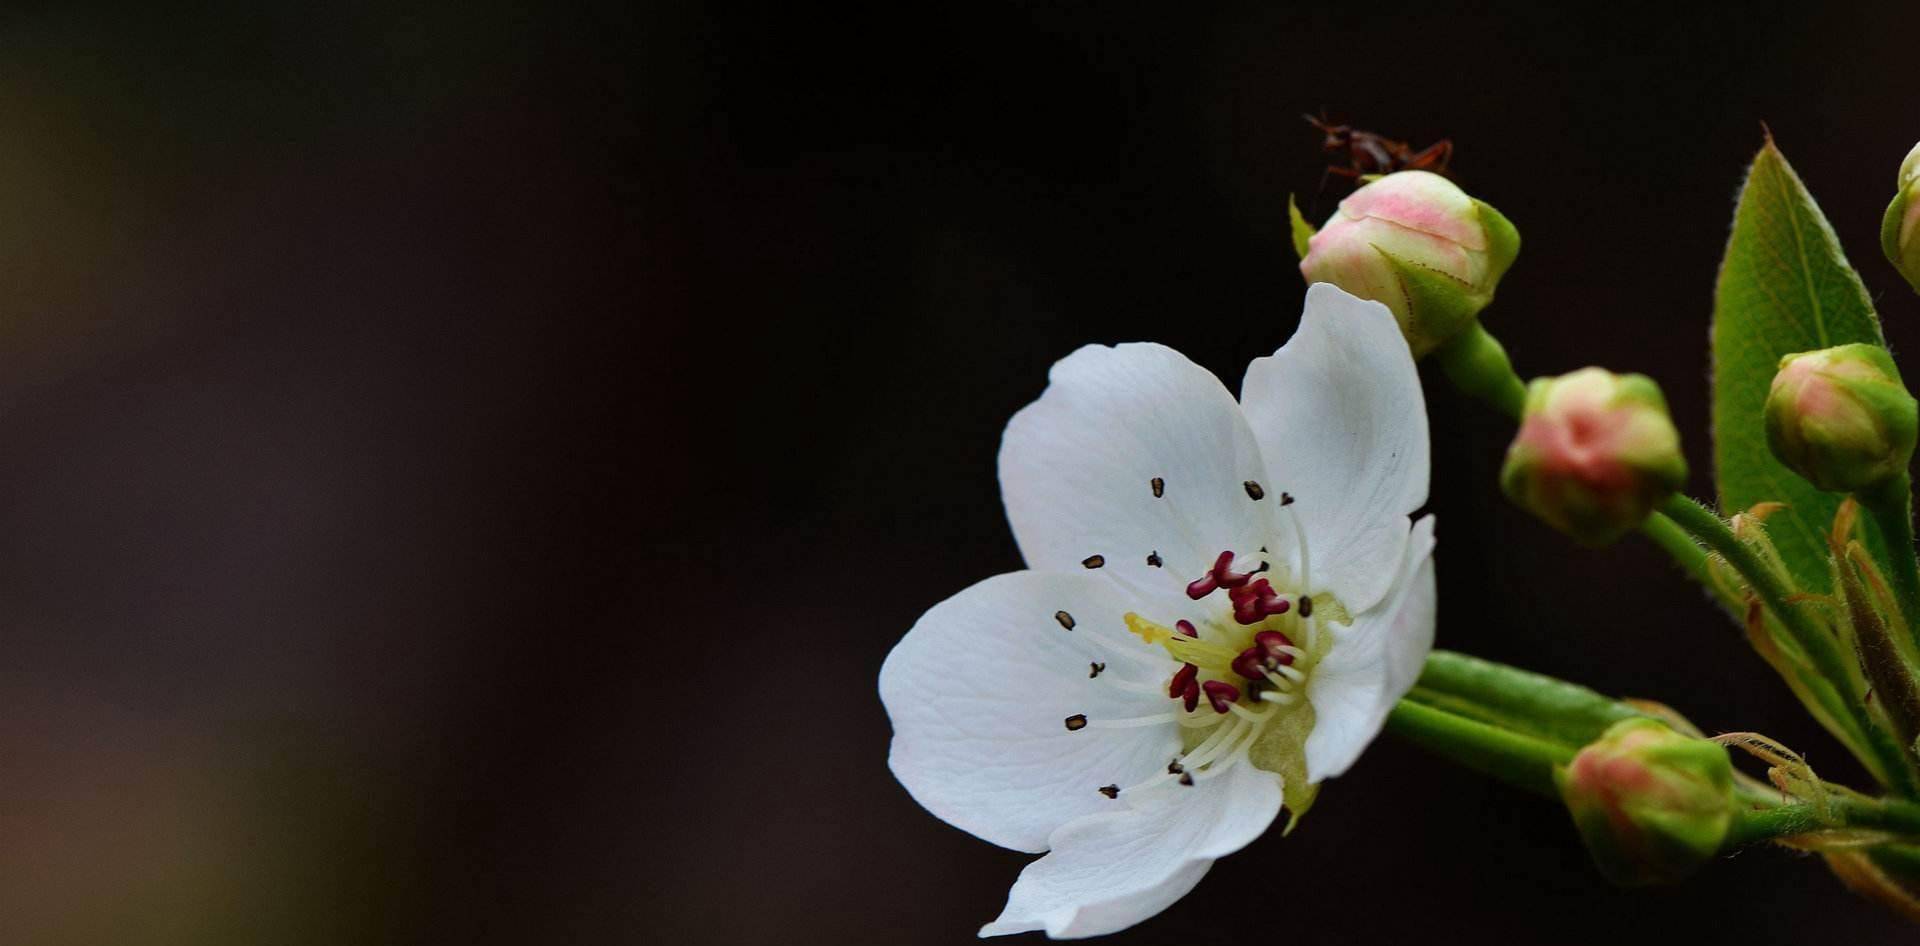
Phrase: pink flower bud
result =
(1651, 804)
(1418, 244)
(1840, 417)
(1900, 227)
(1595, 453)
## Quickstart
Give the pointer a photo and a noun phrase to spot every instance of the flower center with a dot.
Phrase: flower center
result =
(1240, 659)
(1246, 657)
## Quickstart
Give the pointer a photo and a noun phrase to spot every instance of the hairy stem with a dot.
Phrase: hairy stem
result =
(1688, 554)
(1877, 814)
(1841, 698)
(1890, 507)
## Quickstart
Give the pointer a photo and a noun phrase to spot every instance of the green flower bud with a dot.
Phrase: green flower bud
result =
(1418, 244)
(1651, 804)
(1841, 418)
(1595, 453)
(1900, 228)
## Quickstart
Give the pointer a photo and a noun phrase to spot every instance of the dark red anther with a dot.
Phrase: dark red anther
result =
(1271, 642)
(1190, 697)
(1202, 586)
(1182, 678)
(1265, 655)
(1252, 664)
(1187, 628)
(1217, 577)
(1228, 579)
(1220, 694)
(1257, 602)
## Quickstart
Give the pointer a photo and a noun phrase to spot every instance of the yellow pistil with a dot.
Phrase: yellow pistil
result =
(1150, 632)
(1187, 650)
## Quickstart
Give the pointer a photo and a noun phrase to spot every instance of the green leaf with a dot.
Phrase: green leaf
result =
(1302, 230)
(1784, 287)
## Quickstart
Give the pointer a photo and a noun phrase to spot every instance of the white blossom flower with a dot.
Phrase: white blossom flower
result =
(1225, 600)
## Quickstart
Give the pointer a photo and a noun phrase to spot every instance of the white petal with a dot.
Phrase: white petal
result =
(1373, 663)
(1077, 466)
(979, 691)
(1107, 872)
(1343, 427)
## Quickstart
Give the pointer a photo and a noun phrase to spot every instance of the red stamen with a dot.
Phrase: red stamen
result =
(1271, 642)
(1257, 602)
(1217, 577)
(1251, 664)
(1226, 578)
(1191, 695)
(1220, 694)
(1202, 586)
(1265, 654)
(1186, 627)
(1182, 678)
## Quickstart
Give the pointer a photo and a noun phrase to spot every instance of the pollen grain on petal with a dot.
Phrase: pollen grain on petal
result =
(1254, 491)
(1153, 558)
(1111, 791)
(1065, 619)
(1076, 722)
(1093, 561)
(1159, 487)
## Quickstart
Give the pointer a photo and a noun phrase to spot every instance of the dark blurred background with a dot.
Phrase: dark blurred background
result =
(464, 467)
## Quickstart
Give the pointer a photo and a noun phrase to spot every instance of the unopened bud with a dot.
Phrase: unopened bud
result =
(1651, 804)
(1900, 228)
(1418, 244)
(1840, 417)
(1595, 453)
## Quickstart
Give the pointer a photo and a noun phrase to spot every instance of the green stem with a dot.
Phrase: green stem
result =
(1516, 700)
(1519, 760)
(1478, 365)
(1518, 727)
(1890, 506)
(1878, 814)
(1712, 531)
(1838, 696)
(1688, 554)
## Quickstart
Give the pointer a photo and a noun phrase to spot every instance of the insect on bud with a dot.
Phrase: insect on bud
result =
(1420, 245)
(1900, 228)
(1651, 804)
(1840, 417)
(1595, 453)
